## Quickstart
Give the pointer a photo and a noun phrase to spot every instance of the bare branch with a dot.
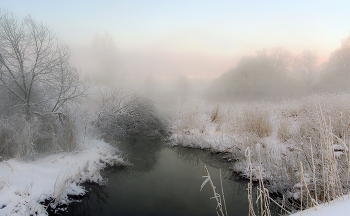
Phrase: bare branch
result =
(34, 66)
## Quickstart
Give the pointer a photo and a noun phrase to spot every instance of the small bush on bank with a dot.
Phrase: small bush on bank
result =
(125, 115)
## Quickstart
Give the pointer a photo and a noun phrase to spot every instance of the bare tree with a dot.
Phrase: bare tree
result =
(260, 77)
(336, 76)
(306, 64)
(34, 67)
(280, 58)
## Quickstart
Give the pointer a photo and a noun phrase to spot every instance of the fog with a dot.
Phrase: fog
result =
(166, 77)
(161, 70)
(107, 64)
(269, 74)
(216, 51)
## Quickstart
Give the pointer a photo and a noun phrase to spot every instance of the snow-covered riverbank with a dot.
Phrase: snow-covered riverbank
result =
(25, 185)
(291, 143)
(340, 207)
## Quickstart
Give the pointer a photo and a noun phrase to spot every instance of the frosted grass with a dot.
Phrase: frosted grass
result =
(312, 131)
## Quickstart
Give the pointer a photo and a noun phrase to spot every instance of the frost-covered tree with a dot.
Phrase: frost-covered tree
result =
(337, 70)
(125, 114)
(259, 77)
(305, 65)
(35, 74)
(37, 86)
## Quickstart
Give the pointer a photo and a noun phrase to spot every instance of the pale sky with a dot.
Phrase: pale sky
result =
(217, 32)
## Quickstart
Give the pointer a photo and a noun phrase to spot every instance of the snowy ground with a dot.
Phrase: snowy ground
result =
(339, 208)
(24, 185)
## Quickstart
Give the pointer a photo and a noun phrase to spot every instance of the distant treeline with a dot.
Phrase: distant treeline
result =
(274, 74)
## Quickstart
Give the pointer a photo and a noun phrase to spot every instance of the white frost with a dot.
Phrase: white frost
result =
(337, 208)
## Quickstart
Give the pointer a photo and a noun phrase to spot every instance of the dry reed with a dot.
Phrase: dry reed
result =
(216, 195)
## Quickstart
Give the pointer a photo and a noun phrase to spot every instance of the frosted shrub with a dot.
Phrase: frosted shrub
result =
(123, 114)
(16, 137)
(56, 133)
(23, 139)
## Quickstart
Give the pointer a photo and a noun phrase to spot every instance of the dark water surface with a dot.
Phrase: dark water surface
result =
(163, 181)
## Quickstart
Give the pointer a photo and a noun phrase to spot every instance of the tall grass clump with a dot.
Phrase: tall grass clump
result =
(314, 168)
(256, 121)
(25, 139)
(283, 131)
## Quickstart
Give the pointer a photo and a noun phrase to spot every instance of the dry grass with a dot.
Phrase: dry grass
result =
(317, 164)
(257, 122)
(220, 200)
(214, 116)
(283, 132)
(5, 182)
(298, 148)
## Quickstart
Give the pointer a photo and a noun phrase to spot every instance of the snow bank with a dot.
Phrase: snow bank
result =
(310, 134)
(25, 185)
(337, 208)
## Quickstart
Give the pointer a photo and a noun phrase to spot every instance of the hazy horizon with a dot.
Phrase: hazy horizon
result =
(198, 39)
(222, 31)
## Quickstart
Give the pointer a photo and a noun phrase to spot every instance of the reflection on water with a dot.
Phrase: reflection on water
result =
(162, 181)
(143, 155)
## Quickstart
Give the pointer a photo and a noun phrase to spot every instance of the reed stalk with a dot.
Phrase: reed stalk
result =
(216, 195)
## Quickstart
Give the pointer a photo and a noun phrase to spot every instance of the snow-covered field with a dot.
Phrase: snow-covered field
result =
(292, 143)
(25, 185)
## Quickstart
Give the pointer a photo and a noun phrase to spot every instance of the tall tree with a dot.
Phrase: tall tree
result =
(305, 63)
(34, 67)
(262, 76)
(337, 70)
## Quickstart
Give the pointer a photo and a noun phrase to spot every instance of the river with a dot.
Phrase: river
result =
(162, 181)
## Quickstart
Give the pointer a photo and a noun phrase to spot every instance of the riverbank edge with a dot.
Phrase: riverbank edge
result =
(340, 204)
(26, 186)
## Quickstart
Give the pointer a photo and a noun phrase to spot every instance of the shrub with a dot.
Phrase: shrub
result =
(125, 115)
(16, 137)
(24, 139)
(56, 133)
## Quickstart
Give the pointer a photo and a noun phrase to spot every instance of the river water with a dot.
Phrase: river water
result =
(163, 181)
